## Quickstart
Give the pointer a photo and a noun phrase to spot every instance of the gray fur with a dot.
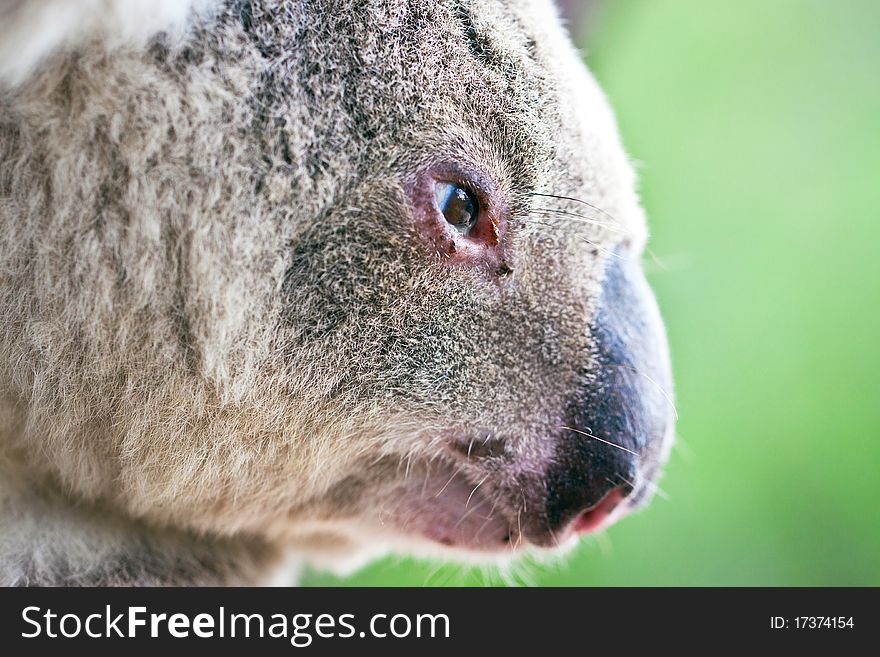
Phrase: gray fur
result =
(223, 338)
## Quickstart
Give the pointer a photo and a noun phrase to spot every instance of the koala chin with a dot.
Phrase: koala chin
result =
(288, 282)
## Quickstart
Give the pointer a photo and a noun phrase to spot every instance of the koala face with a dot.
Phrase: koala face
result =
(350, 276)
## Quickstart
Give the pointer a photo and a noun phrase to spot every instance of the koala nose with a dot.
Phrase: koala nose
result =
(587, 483)
(617, 423)
(596, 516)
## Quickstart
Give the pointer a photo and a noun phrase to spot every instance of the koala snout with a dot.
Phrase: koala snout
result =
(618, 429)
(600, 461)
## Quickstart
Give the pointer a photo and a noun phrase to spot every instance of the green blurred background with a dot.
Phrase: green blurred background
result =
(757, 128)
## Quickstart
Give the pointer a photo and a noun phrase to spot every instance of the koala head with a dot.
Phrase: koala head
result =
(352, 276)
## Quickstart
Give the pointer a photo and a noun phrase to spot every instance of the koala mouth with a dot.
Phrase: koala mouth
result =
(499, 487)
(501, 512)
(501, 492)
(454, 511)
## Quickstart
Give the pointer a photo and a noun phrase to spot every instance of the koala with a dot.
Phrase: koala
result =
(300, 282)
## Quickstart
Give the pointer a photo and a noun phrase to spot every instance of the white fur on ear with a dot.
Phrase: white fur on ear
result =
(32, 29)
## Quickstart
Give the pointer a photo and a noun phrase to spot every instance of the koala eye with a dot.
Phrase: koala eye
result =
(461, 214)
(459, 206)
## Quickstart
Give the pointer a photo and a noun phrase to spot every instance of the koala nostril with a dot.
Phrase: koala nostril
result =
(597, 516)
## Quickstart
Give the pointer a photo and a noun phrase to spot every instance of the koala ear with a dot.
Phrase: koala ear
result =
(31, 30)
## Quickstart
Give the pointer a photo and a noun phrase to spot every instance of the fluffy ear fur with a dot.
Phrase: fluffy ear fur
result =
(31, 30)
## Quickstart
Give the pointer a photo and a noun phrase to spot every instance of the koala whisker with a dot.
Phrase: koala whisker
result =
(608, 252)
(519, 512)
(681, 448)
(660, 388)
(657, 260)
(581, 218)
(466, 515)
(612, 225)
(601, 440)
(446, 485)
(659, 492)
(482, 481)
(604, 542)
(621, 479)
(553, 535)
(593, 244)
(519, 534)
(489, 518)
(652, 485)
(427, 479)
(581, 201)
(406, 472)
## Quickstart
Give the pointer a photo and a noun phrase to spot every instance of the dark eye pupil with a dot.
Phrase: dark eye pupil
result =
(458, 206)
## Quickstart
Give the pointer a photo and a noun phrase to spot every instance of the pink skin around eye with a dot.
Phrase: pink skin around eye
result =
(484, 245)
